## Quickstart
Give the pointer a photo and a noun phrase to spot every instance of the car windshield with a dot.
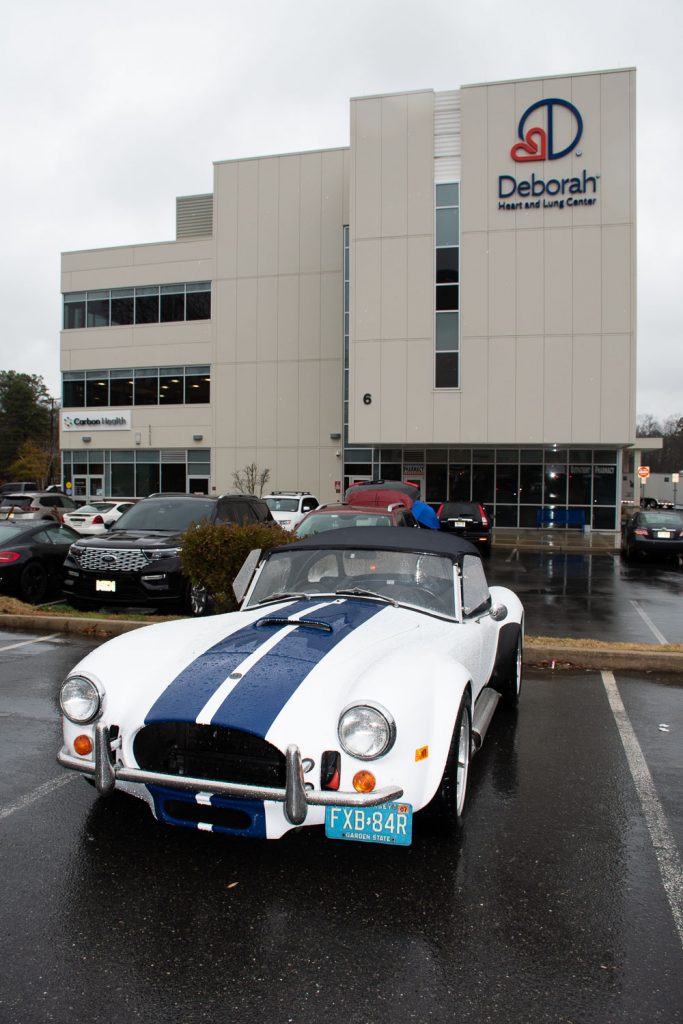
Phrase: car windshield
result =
(165, 515)
(460, 508)
(407, 578)
(91, 510)
(283, 504)
(9, 533)
(662, 520)
(15, 500)
(332, 521)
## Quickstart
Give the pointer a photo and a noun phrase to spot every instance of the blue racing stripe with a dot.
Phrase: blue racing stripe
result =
(259, 697)
(184, 697)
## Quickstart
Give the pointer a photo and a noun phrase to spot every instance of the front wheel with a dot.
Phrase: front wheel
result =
(196, 600)
(447, 806)
(510, 685)
(33, 583)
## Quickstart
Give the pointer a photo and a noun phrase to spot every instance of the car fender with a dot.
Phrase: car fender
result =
(424, 717)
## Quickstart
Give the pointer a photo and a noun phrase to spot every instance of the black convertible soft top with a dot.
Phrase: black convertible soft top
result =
(388, 538)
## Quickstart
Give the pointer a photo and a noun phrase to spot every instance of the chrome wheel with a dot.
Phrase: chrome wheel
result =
(463, 763)
(198, 599)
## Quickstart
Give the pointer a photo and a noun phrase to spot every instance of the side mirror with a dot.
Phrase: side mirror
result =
(498, 612)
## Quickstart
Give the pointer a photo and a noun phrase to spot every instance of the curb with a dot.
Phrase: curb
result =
(556, 656)
(102, 628)
(563, 656)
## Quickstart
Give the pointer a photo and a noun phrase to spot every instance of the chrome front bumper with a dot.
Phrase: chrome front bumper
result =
(295, 796)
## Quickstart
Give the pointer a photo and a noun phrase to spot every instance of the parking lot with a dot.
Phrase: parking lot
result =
(561, 900)
(593, 595)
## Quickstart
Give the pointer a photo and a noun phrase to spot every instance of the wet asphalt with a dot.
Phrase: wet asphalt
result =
(550, 906)
(597, 596)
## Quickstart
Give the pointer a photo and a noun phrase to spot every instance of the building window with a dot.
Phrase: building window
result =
(137, 472)
(516, 485)
(197, 385)
(74, 311)
(122, 307)
(151, 304)
(166, 385)
(447, 286)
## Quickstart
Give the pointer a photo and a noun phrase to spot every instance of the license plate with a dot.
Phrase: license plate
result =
(663, 533)
(390, 824)
(106, 586)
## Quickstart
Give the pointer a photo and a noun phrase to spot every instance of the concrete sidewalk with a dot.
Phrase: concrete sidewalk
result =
(587, 654)
(592, 542)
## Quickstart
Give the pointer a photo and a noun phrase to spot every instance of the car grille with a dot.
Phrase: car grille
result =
(112, 559)
(209, 752)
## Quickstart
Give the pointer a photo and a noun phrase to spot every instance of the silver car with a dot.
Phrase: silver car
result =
(29, 505)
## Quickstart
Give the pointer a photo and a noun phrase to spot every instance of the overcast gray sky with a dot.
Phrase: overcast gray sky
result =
(109, 109)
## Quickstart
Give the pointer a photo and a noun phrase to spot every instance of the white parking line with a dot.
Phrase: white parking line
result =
(649, 623)
(23, 643)
(668, 859)
(37, 794)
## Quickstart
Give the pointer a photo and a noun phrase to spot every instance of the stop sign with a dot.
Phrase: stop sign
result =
(643, 472)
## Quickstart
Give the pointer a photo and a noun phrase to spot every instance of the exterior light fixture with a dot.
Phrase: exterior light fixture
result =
(197, 437)
(86, 439)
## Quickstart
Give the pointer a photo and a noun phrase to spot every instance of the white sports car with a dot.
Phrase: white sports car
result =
(349, 692)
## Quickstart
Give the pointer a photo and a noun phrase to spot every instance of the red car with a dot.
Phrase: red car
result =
(341, 516)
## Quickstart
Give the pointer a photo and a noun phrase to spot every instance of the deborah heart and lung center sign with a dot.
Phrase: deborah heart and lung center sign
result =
(547, 147)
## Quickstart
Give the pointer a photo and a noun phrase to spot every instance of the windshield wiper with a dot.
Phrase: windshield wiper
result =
(284, 596)
(360, 592)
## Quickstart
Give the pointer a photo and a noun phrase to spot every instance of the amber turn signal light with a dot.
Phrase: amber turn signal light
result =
(364, 782)
(83, 745)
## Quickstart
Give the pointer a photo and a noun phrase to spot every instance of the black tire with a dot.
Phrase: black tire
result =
(33, 583)
(196, 601)
(447, 806)
(630, 553)
(510, 683)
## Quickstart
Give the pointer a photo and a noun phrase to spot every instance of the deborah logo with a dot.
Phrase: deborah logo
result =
(548, 130)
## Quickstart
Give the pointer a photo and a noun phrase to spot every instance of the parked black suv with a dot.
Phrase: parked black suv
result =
(137, 563)
(468, 519)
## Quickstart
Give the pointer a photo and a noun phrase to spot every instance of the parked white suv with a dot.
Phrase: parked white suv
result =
(289, 507)
(28, 505)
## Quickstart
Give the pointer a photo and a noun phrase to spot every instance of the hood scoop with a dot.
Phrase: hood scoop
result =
(275, 620)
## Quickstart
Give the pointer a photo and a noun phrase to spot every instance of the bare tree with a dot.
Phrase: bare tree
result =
(251, 479)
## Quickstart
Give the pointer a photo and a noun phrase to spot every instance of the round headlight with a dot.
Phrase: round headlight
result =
(80, 699)
(366, 731)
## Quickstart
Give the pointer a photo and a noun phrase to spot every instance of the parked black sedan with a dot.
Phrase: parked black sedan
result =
(31, 558)
(653, 531)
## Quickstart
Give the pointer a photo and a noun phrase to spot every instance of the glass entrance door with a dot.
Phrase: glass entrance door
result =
(87, 488)
(419, 481)
(95, 487)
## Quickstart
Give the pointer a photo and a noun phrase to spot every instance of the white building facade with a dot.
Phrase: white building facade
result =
(449, 299)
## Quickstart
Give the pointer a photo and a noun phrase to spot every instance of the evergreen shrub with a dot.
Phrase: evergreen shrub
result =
(213, 553)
